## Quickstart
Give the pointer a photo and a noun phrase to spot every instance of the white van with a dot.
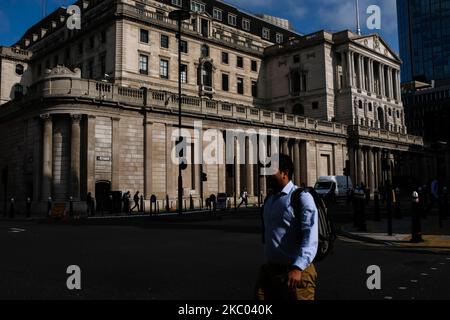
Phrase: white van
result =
(337, 184)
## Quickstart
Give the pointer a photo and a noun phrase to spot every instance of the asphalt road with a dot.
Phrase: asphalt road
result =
(211, 260)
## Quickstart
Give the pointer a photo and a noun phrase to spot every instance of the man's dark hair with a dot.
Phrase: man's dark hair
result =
(286, 164)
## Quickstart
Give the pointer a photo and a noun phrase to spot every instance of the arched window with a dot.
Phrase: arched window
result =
(19, 69)
(18, 91)
(206, 74)
(205, 51)
(360, 103)
(370, 107)
(299, 110)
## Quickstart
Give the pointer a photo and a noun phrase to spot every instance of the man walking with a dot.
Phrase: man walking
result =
(136, 202)
(291, 241)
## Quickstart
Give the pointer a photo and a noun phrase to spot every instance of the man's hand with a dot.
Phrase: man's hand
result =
(294, 279)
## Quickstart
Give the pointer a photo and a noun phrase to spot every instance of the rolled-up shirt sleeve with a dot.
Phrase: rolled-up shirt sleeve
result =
(309, 224)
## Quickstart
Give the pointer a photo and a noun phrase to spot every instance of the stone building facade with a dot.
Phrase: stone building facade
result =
(94, 109)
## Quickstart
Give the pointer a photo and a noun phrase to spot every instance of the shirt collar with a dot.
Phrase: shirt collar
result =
(288, 188)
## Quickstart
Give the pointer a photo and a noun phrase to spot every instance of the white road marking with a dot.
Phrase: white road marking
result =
(424, 274)
(434, 269)
(387, 298)
(402, 288)
(16, 230)
(442, 263)
(414, 281)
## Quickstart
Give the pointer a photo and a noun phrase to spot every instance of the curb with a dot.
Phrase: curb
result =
(353, 236)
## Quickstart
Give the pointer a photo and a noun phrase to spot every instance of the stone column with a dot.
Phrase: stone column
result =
(297, 177)
(75, 157)
(91, 154)
(237, 166)
(344, 70)
(148, 142)
(249, 160)
(349, 69)
(360, 168)
(371, 170)
(285, 147)
(47, 156)
(363, 73)
(381, 72)
(379, 167)
(360, 72)
(222, 165)
(391, 87)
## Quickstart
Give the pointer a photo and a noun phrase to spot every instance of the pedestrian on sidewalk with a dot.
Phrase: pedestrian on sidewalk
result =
(244, 197)
(291, 244)
(126, 202)
(136, 202)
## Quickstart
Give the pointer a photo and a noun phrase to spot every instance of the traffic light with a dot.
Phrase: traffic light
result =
(204, 177)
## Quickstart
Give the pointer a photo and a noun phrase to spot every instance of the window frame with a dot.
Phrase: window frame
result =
(177, 3)
(279, 38)
(240, 58)
(263, 35)
(184, 79)
(254, 66)
(162, 68)
(219, 13)
(199, 4)
(227, 76)
(240, 81)
(228, 58)
(186, 47)
(244, 23)
(143, 71)
(230, 16)
(165, 36)
(141, 30)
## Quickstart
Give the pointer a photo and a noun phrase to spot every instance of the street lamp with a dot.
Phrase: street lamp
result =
(179, 16)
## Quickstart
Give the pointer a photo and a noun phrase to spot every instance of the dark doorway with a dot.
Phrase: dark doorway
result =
(102, 193)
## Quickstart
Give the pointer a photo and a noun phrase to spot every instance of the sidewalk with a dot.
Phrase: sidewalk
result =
(432, 234)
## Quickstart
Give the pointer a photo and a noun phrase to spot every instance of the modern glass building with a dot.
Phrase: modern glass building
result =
(424, 35)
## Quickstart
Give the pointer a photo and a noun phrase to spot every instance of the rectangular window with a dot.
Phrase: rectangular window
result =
(254, 66)
(143, 64)
(240, 85)
(246, 24)
(144, 36)
(164, 41)
(177, 3)
(183, 73)
(217, 14)
(225, 57)
(164, 69)
(197, 6)
(254, 89)
(266, 33)
(232, 19)
(279, 38)
(184, 46)
(240, 62)
(225, 82)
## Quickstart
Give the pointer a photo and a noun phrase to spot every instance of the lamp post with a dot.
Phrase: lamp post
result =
(179, 16)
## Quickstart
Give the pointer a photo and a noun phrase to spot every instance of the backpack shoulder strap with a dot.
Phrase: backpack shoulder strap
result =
(295, 201)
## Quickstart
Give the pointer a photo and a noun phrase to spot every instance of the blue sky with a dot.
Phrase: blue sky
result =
(16, 16)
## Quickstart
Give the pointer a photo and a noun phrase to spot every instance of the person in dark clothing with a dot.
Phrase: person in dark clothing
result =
(126, 202)
(90, 205)
(136, 201)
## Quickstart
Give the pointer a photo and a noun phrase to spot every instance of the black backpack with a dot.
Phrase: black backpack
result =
(327, 231)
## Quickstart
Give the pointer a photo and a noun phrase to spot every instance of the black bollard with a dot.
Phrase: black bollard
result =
(28, 207)
(362, 212)
(12, 209)
(416, 228)
(167, 203)
(191, 203)
(376, 202)
(389, 202)
(141, 207)
(49, 206)
(355, 205)
(111, 204)
(398, 211)
(71, 207)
